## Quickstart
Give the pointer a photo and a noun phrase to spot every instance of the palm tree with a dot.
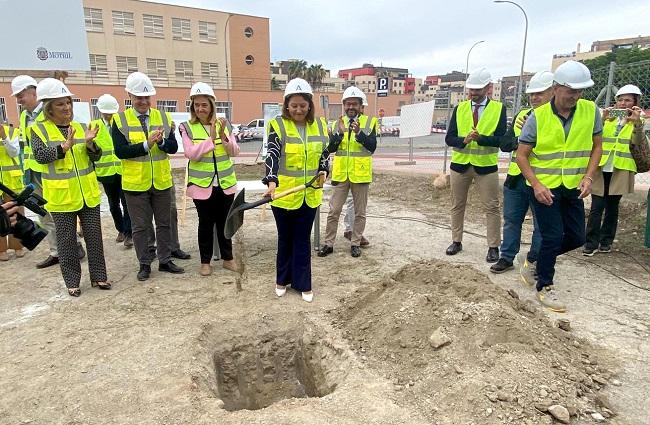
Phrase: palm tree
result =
(315, 75)
(297, 69)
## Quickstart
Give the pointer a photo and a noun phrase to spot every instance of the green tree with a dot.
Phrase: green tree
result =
(274, 84)
(315, 75)
(297, 69)
(620, 56)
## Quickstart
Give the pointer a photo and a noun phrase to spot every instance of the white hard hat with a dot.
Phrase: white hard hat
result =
(296, 86)
(540, 82)
(573, 75)
(629, 89)
(20, 83)
(478, 79)
(365, 99)
(202, 89)
(51, 88)
(107, 104)
(351, 92)
(138, 84)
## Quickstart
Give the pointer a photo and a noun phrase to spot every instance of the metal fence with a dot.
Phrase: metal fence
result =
(610, 78)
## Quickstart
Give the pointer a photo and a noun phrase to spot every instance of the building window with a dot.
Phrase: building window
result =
(184, 70)
(127, 64)
(249, 60)
(127, 103)
(188, 104)
(94, 20)
(208, 32)
(76, 99)
(3, 110)
(157, 68)
(181, 29)
(94, 112)
(209, 71)
(153, 26)
(248, 32)
(224, 108)
(166, 105)
(98, 65)
(123, 23)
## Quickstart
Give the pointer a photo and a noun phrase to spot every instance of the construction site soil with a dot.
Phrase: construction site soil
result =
(401, 335)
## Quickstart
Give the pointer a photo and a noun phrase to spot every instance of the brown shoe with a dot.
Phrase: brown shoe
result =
(206, 270)
(347, 235)
(128, 241)
(120, 238)
(230, 265)
(364, 242)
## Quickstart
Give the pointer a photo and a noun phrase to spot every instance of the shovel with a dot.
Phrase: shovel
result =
(235, 217)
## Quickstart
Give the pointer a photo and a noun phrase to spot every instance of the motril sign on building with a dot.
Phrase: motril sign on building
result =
(54, 39)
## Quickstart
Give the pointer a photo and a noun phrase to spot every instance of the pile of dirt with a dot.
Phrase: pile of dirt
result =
(459, 348)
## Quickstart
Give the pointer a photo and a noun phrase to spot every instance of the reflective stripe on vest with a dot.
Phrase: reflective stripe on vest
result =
(11, 172)
(557, 159)
(618, 145)
(473, 153)
(299, 161)
(214, 163)
(29, 162)
(153, 169)
(69, 182)
(352, 160)
(513, 168)
(108, 164)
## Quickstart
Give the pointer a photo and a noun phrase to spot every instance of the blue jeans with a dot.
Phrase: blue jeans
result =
(515, 206)
(562, 226)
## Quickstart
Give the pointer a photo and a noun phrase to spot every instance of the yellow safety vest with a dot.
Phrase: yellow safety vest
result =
(473, 153)
(10, 171)
(618, 145)
(557, 159)
(214, 163)
(513, 169)
(299, 161)
(139, 174)
(69, 182)
(108, 164)
(352, 160)
(29, 163)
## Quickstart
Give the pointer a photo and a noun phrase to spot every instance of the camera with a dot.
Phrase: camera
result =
(25, 230)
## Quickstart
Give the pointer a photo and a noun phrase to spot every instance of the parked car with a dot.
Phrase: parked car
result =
(256, 128)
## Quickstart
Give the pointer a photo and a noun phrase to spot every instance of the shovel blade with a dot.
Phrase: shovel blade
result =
(235, 217)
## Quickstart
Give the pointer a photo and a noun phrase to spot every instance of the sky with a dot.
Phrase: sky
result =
(433, 37)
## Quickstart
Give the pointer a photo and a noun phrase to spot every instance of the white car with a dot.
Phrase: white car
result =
(256, 128)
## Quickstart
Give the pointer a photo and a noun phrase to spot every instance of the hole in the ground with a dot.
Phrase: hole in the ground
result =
(253, 374)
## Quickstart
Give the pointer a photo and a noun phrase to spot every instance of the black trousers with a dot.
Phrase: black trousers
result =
(113, 189)
(602, 231)
(213, 211)
(294, 246)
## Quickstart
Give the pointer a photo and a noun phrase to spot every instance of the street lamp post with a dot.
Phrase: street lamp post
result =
(523, 55)
(225, 51)
(467, 63)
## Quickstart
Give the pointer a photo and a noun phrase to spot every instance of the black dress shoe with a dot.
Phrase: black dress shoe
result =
(170, 267)
(501, 266)
(144, 273)
(492, 255)
(82, 251)
(325, 250)
(181, 255)
(454, 248)
(49, 261)
(355, 251)
(347, 235)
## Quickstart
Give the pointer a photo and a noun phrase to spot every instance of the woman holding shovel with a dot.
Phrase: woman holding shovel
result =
(296, 153)
(208, 144)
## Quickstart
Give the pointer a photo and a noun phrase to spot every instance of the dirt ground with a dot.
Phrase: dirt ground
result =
(185, 349)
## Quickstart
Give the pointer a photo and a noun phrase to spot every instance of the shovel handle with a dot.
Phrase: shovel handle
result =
(297, 188)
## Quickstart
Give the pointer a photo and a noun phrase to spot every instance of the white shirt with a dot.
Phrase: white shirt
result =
(481, 107)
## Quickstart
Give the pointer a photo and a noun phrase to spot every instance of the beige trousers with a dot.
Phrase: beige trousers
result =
(337, 200)
(488, 188)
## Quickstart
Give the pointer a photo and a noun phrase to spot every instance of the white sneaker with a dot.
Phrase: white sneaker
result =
(308, 296)
(550, 299)
(527, 271)
(280, 290)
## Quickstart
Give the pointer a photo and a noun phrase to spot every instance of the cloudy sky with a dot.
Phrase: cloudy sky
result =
(433, 37)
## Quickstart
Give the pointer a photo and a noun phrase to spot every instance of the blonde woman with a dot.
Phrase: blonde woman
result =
(212, 184)
(69, 183)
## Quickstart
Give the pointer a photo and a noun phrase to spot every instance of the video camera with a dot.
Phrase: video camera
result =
(25, 230)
